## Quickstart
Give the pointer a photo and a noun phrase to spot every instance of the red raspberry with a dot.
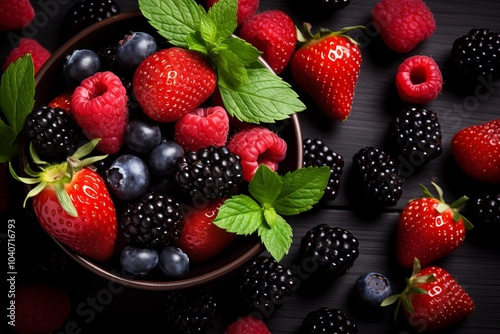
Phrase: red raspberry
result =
(62, 101)
(246, 9)
(28, 45)
(99, 106)
(403, 24)
(15, 14)
(202, 127)
(419, 80)
(247, 325)
(256, 146)
(273, 33)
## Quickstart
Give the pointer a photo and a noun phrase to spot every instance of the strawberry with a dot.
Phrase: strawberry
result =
(430, 229)
(62, 101)
(432, 299)
(40, 308)
(273, 33)
(16, 14)
(73, 205)
(476, 150)
(172, 82)
(200, 238)
(326, 67)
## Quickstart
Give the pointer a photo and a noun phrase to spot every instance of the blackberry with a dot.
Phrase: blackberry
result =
(328, 320)
(265, 285)
(477, 53)
(415, 136)
(53, 132)
(484, 211)
(107, 55)
(317, 154)
(377, 177)
(191, 311)
(87, 12)
(327, 252)
(212, 172)
(154, 220)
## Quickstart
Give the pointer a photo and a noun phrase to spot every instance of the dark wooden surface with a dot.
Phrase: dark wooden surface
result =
(475, 265)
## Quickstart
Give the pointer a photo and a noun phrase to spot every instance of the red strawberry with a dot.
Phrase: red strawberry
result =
(273, 33)
(16, 14)
(72, 203)
(430, 229)
(326, 67)
(172, 82)
(476, 150)
(40, 309)
(62, 101)
(200, 238)
(99, 106)
(246, 9)
(432, 299)
(28, 45)
(247, 325)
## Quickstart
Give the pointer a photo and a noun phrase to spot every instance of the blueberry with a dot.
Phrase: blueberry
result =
(163, 157)
(134, 48)
(142, 135)
(138, 261)
(80, 65)
(372, 288)
(128, 177)
(174, 262)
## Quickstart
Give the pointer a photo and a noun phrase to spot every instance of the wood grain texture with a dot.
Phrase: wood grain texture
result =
(475, 265)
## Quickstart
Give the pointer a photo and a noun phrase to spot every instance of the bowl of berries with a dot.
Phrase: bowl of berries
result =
(143, 132)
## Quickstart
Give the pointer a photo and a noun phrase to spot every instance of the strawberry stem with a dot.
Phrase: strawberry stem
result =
(321, 33)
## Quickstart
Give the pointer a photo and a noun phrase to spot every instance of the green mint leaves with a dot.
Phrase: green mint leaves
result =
(250, 91)
(273, 196)
(17, 98)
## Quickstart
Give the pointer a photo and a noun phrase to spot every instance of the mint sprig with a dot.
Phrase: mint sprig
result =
(17, 98)
(250, 92)
(273, 196)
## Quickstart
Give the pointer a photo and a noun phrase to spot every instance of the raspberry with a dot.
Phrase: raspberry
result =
(419, 80)
(99, 106)
(246, 9)
(403, 24)
(202, 127)
(16, 14)
(62, 101)
(28, 45)
(256, 146)
(247, 325)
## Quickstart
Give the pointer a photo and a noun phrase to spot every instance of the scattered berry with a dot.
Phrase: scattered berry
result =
(246, 9)
(328, 320)
(174, 262)
(16, 14)
(265, 285)
(87, 12)
(316, 10)
(128, 177)
(28, 45)
(247, 325)
(327, 252)
(477, 53)
(415, 136)
(403, 24)
(162, 159)
(142, 135)
(484, 211)
(134, 48)
(476, 150)
(419, 80)
(53, 132)
(80, 65)
(372, 288)
(99, 106)
(138, 261)
(257, 145)
(317, 154)
(273, 33)
(202, 127)
(154, 220)
(210, 173)
(377, 176)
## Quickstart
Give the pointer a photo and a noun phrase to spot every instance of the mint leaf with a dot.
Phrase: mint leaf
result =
(302, 189)
(174, 19)
(277, 239)
(9, 146)
(196, 43)
(264, 97)
(245, 51)
(223, 13)
(230, 69)
(270, 215)
(265, 186)
(239, 214)
(208, 30)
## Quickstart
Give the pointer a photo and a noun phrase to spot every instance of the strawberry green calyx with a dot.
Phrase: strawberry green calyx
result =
(57, 175)
(456, 206)
(307, 37)
(412, 287)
